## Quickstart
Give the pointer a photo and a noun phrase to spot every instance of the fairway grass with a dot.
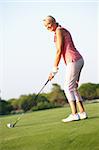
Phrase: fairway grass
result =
(43, 130)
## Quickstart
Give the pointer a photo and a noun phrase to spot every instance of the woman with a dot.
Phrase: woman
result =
(65, 48)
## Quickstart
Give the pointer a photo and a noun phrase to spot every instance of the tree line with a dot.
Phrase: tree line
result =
(55, 98)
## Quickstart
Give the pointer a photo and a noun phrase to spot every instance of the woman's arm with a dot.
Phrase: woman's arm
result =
(59, 46)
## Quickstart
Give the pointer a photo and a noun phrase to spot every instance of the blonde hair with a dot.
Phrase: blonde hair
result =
(50, 18)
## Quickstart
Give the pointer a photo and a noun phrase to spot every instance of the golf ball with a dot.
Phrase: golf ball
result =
(9, 125)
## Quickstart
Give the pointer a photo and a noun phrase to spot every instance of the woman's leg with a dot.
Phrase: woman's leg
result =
(78, 96)
(71, 84)
(79, 100)
(80, 106)
(71, 77)
(73, 107)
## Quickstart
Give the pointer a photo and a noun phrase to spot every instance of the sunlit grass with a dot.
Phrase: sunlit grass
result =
(43, 130)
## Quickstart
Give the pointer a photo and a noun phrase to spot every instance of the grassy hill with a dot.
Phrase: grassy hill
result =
(43, 130)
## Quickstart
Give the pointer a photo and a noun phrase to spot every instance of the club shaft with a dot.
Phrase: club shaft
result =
(41, 89)
(17, 120)
(35, 99)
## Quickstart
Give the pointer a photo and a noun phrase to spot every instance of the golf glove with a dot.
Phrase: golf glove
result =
(53, 73)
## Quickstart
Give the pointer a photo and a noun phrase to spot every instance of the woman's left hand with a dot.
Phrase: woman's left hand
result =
(51, 76)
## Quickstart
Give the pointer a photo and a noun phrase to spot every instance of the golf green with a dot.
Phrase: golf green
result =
(43, 130)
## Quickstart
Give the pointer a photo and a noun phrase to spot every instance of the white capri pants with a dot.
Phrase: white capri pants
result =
(73, 71)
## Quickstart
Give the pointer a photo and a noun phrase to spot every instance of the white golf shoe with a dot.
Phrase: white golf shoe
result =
(83, 115)
(71, 117)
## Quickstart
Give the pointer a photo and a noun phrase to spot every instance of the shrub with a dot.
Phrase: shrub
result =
(89, 91)
(5, 107)
(45, 105)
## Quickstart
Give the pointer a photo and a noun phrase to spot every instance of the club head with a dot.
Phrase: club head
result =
(9, 125)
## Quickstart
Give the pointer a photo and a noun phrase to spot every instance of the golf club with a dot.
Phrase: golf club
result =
(41, 89)
(10, 125)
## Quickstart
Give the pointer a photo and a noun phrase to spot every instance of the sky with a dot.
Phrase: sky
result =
(27, 50)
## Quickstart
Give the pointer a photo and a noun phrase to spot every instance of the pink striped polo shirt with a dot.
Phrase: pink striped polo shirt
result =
(69, 52)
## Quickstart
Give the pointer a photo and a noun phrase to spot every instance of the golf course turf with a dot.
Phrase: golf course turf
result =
(43, 130)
